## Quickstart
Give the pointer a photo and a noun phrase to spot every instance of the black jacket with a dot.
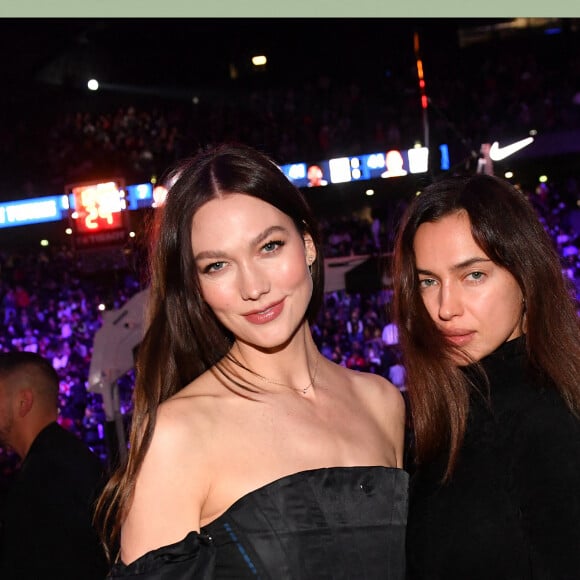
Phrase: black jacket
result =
(46, 519)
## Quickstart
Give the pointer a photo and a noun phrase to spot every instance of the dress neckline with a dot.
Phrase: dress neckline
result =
(285, 479)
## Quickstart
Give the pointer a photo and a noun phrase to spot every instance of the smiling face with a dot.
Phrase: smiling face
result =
(476, 304)
(252, 264)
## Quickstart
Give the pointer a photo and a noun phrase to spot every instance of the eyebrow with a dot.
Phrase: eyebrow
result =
(214, 254)
(457, 267)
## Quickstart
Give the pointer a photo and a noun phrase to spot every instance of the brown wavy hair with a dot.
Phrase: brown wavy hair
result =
(506, 227)
(183, 337)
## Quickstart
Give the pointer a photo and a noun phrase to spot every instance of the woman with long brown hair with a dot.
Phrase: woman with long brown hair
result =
(251, 455)
(491, 343)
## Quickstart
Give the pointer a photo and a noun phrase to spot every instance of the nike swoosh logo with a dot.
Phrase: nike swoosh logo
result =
(497, 153)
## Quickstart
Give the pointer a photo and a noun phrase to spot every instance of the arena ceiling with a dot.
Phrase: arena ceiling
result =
(200, 52)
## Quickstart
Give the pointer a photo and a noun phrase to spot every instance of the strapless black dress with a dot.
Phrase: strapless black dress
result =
(329, 523)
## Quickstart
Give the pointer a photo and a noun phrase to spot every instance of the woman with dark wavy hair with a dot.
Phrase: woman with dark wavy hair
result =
(251, 455)
(491, 344)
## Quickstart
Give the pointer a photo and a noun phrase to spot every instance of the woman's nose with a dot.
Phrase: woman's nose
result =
(450, 304)
(253, 283)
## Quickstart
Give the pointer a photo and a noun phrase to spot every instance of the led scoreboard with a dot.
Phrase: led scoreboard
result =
(98, 214)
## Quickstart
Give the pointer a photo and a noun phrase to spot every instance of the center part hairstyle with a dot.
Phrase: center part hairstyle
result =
(506, 227)
(184, 338)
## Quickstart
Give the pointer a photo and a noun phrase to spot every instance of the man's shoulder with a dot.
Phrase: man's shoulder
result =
(64, 454)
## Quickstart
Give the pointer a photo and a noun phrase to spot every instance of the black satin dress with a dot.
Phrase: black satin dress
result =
(329, 523)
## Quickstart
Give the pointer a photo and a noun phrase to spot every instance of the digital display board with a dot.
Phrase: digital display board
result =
(98, 210)
(99, 216)
(36, 210)
(139, 195)
(98, 207)
(392, 163)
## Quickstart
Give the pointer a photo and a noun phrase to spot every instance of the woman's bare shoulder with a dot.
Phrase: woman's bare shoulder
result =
(382, 398)
(193, 406)
(380, 402)
(375, 387)
(175, 476)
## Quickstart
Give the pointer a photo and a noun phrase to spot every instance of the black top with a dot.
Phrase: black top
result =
(512, 508)
(329, 523)
(46, 529)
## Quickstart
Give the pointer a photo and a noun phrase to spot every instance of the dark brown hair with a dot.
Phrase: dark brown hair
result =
(506, 227)
(184, 338)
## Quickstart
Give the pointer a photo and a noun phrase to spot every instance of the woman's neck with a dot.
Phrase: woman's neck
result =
(292, 364)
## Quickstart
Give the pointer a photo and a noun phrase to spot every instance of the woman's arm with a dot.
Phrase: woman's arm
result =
(171, 485)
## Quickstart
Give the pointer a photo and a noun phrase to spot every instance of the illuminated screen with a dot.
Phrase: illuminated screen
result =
(33, 211)
(444, 153)
(139, 196)
(308, 175)
(98, 207)
(101, 207)
(387, 164)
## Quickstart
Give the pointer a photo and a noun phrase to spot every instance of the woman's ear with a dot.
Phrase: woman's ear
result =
(310, 249)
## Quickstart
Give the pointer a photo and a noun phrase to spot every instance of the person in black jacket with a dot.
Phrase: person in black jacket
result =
(491, 342)
(46, 517)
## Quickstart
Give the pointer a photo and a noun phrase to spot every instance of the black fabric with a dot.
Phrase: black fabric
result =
(332, 523)
(46, 517)
(192, 557)
(512, 508)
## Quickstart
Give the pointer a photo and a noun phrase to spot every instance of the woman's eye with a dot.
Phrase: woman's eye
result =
(476, 275)
(213, 267)
(426, 282)
(272, 245)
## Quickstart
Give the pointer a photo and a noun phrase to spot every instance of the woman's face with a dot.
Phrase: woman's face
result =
(253, 268)
(475, 303)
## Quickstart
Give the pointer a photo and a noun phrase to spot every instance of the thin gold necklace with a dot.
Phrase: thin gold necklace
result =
(300, 389)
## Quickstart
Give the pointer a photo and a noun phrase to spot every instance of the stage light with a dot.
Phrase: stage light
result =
(259, 60)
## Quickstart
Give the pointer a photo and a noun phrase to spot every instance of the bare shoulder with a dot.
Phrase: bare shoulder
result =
(173, 480)
(378, 390)
(179, 421)
(383, 405)
(181, 425)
